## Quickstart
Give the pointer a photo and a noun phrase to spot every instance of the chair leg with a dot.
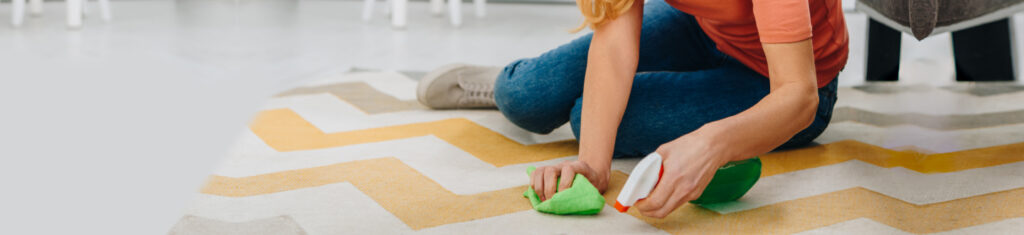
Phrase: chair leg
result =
(480, 10)
(17, 12)
(367, 10)
(35, 7)
(104, 6)
(74, 8)
(984, 52)
(455, 12)
(436, 6)
(883, 55)
(398, 13)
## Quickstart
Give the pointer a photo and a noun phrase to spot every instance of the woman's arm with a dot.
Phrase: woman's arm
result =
(692, 160)
(786, 110)
(611, 64)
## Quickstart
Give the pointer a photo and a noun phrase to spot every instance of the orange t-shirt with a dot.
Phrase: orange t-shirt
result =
(740, 26)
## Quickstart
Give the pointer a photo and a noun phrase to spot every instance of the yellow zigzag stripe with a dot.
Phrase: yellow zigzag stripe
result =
(830, 208)
(833, 153)
(403, 191)
(284, 130)
(421, 203)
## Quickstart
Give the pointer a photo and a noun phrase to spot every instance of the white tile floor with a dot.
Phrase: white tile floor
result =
(152, 99)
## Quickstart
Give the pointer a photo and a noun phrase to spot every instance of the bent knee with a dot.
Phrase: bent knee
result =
(528, 108)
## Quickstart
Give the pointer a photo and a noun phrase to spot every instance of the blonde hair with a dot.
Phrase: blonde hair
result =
(597, 12)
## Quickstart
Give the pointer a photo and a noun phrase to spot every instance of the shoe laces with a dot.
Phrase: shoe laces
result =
(478, 94)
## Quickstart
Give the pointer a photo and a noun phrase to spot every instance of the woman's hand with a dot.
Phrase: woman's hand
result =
(689, 164)
(543, 179)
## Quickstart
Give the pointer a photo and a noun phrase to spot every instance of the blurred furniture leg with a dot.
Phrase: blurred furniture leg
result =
(35, 7)
(436, 6)
(480, 10)
(399, 9)
(455, 12)
(367, 10)
(74, 11)
(17, 12)
(104, 9)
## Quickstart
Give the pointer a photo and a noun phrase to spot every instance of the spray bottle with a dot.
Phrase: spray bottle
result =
(729, 183)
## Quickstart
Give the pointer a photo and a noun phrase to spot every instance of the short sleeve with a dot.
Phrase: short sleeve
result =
(782, 21)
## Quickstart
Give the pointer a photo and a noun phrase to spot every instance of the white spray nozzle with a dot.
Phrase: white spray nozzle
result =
(641, 181)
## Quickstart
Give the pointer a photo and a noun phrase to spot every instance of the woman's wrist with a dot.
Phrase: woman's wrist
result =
(599, 160)
(716, 145)
(602, 178)
(600, 173)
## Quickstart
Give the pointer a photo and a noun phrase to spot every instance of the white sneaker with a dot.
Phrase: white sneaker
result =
(458, 86)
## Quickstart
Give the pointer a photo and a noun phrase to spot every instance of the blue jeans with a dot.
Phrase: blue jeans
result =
(682, 82)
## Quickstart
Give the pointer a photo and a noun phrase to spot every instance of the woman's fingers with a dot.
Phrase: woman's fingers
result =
(674, 201)
(550, 177)
(546, 180)
(668, 196)
(666, 202)
(537, 180)
(582, 168)
(567, 176)
(699, 188)
(681, 195)
(658, 197)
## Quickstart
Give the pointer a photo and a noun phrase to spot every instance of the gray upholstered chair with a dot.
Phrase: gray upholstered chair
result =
(980, 28)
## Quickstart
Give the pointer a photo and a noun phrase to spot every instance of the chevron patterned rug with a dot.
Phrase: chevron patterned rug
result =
(356, 154)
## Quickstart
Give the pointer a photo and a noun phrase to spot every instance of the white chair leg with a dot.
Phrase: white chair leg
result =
(455, 12)
(436, 6)
(367, 10)
(17, 12)
(35, 7)
(74, 8)
(398, 13)
(104, 6)
(480, 10)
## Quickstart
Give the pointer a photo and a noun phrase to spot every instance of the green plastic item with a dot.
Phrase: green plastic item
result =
(580, 199)
(731, 182)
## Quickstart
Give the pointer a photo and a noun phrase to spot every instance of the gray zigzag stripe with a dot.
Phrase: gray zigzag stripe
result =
(946, 122)
(361, 95)
(373, 101)
(986, 89)
(974, 89)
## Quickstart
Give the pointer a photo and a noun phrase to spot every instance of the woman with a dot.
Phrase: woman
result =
(702, 82)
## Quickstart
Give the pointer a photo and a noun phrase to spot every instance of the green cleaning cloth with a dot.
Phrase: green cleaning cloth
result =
(580, 199)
